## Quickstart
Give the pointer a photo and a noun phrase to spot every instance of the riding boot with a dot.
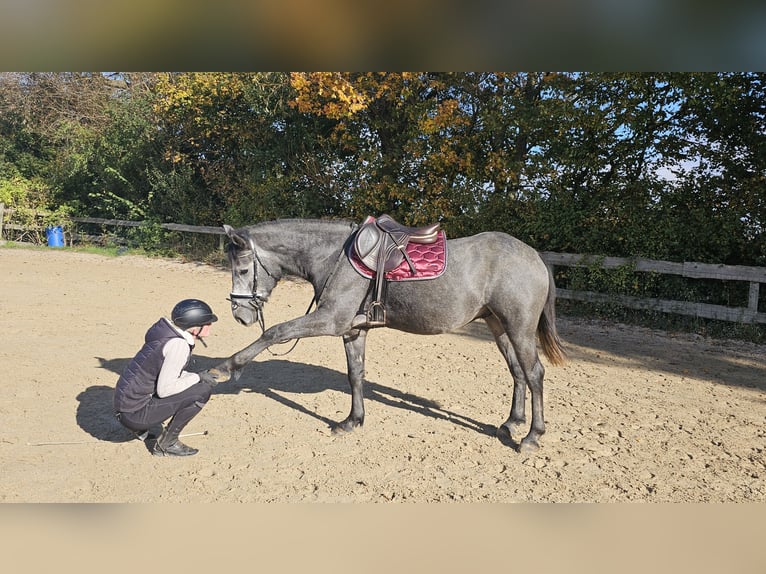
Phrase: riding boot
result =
(169, 445)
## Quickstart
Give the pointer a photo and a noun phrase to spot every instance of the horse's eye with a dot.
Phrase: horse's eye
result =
(243, 271)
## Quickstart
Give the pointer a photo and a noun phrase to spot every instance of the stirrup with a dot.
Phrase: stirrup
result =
(376, 314)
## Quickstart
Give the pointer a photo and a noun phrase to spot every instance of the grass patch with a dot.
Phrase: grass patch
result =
(108, 251)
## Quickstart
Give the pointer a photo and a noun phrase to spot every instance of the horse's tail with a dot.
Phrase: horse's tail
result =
(546, 327)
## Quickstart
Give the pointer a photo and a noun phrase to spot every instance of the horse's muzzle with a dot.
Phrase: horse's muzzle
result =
(247, 309)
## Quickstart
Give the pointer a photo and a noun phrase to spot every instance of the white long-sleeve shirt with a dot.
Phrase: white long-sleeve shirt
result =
(173, 379)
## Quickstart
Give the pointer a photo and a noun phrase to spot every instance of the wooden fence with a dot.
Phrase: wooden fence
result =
(72, 234)
(753, 275)
(169, 226)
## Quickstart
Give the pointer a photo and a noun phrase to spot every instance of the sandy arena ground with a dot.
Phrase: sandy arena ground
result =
(635, 415)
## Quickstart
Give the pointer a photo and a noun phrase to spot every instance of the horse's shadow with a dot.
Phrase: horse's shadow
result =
(269, 378)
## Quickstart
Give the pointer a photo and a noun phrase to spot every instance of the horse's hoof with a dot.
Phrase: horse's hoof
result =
(528, 445)
(218, 374)
(503, 434)
(344, 427)
(516, 426)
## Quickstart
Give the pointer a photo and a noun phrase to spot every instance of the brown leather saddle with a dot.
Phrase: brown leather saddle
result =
(381, 245)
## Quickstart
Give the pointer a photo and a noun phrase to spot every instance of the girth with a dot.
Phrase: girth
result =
(381, 245)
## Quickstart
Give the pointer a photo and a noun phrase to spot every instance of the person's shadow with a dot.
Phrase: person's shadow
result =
(95, 413)
(269, 378)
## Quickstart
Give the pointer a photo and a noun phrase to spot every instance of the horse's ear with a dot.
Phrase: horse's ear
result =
(236, 238)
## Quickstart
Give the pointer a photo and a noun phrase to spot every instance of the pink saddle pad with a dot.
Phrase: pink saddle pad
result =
(430, 261)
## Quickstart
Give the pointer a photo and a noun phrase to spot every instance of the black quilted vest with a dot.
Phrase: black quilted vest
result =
(138, 381)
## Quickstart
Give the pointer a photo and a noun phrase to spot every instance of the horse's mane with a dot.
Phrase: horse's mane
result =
(314, 227)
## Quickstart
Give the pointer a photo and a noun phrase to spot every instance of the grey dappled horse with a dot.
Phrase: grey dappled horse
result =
(490, 276)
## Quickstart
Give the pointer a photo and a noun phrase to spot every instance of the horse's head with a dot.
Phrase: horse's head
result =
(251, 281)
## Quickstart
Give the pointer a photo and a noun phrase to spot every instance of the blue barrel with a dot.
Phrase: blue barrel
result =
(55, 236)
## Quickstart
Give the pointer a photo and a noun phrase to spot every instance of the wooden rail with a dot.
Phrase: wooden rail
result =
(116, 223)
(168, 226)
(753, 275)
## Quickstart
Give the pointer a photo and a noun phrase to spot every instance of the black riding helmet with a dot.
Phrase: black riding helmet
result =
(192, 313)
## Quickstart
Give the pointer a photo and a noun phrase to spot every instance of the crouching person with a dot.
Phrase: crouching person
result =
(155, 386)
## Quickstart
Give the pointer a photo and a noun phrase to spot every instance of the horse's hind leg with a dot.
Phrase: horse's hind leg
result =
(354, 344)
(524, 342)
(517, 417)
(535, 372)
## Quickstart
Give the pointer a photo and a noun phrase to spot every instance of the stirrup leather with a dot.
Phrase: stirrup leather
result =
(382, 245)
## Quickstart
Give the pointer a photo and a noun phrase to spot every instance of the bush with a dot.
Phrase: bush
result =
(29, 201)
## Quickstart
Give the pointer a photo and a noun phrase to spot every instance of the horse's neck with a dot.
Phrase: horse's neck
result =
(305, 249)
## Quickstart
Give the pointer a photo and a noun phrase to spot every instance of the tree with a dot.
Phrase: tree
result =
(424, 146)
(724, 119)
(243, 152)
(47, 125)
(611, 136)
(660, 165)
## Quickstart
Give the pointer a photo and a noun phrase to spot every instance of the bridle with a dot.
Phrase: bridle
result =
(253, 300)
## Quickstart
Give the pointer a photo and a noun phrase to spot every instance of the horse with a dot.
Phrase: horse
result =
(491, 276)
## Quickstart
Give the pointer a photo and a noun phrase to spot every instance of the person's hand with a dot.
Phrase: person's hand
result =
(207, 377)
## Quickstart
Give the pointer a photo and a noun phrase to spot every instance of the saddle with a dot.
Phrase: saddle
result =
(381, 245)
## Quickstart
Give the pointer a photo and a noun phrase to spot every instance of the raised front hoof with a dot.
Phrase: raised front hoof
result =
(345, 427)
(222, 373)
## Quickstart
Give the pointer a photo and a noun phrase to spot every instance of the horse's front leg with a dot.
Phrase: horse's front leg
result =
(354, 344)
(314, 324)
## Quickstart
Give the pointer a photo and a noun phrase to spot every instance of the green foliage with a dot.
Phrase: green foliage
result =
(29, 202)
(14, 191)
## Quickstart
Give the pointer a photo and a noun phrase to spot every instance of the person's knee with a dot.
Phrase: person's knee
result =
(126, 422)
(203, 394)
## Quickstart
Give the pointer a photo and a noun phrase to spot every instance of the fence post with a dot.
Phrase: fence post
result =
(2, 213)
(753, 299)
